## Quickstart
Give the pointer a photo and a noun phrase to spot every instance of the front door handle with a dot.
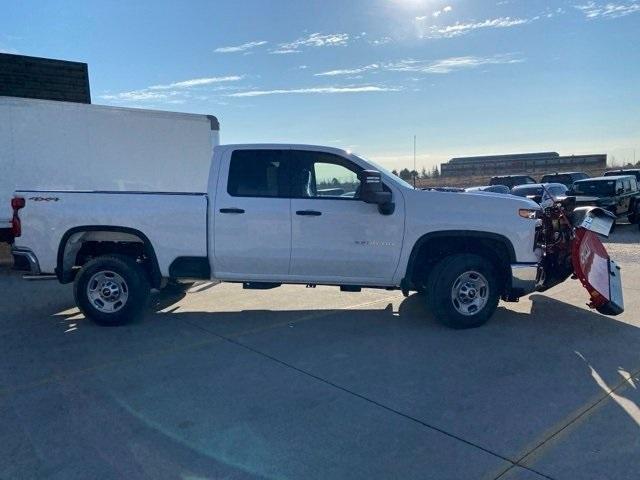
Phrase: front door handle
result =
(309, 213)
(232, 210)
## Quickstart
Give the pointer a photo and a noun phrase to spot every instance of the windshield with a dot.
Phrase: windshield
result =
(527, 191)
(387, 173)
(595, 188)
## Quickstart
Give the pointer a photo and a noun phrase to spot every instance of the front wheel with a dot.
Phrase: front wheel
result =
(463, 291)
(111, 289)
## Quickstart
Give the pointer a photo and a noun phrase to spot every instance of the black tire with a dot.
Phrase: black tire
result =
(135, 286)
(443, 280)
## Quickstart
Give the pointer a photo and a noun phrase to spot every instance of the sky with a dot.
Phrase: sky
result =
(467, 77)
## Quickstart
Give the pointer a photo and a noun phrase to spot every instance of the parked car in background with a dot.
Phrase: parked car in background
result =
(536, 192)
(627, 171)
(511, 180)
(617, 194)
(490, 188)
(565, 178)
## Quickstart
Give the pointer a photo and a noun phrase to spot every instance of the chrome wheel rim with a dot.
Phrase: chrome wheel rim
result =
(107, 291)
(470, 293)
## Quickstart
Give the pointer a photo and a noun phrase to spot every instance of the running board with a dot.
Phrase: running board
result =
(33, 278)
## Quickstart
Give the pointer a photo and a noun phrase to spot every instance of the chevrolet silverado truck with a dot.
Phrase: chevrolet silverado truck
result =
(275, 214)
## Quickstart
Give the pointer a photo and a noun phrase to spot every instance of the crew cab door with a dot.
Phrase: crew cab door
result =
(336, 237)
(252, 216)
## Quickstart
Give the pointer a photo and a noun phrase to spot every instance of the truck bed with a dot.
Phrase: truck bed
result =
(175, 223)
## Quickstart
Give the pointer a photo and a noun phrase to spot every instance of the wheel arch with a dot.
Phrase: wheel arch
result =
(434, 246)
(72, 241)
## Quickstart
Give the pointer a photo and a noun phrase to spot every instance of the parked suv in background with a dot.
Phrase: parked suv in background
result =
(629, 171)
(511, 180)
(617, 194)
(565, 178)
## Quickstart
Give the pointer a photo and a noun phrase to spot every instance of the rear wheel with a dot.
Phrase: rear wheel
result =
(463, 291)
(111, 289)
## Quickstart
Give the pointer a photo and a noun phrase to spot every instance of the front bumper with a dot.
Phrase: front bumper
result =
(524, 278)
(25, 260)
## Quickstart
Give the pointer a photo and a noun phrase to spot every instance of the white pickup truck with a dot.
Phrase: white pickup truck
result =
(300, 214)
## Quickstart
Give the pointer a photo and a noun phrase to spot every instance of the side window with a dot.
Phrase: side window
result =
(257, 173)
(627, 185)
(323, 175)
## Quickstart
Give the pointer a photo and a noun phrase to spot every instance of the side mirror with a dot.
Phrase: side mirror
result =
(620, 191)
(372, 191)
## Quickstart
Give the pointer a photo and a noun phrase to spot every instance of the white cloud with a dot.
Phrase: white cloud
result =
(314, 40)
(240, 48)
(316, 90)
(458, 29)
(138, 95)
(380, 41)
(196, 82)
(452, 64)
(609, 10)
(170, 93)
(437, 13)
(284, 51)
(8, 50)
(348, 71)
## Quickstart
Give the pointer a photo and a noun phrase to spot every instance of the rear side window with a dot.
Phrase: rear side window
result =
(258, 173)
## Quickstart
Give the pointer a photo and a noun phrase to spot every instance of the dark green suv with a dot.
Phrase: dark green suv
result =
(617, 194)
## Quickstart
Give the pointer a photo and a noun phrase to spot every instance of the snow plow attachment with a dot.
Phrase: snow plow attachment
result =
(592, 265)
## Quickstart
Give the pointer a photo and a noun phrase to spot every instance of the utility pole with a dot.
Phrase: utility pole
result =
(414, 162)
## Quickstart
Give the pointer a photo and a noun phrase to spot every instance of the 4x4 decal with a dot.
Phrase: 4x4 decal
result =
(44, 199)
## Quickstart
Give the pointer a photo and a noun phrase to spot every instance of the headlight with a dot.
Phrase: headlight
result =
(529, 213)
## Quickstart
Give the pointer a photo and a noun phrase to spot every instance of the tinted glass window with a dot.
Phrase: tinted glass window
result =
(627, 185)
(258, 173)
(525, 191)
(318, 174)
(598, 188)
(558, 190)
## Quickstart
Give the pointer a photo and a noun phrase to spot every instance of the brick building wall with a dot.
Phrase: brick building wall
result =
(44, 78)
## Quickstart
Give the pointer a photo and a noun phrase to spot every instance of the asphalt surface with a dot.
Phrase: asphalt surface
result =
(299, 383)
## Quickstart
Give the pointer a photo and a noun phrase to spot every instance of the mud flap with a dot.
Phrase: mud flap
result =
(600, 275)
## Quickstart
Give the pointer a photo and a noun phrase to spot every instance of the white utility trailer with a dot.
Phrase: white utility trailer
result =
(54, 145)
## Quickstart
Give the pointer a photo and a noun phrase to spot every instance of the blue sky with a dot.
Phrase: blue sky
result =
(466, 76)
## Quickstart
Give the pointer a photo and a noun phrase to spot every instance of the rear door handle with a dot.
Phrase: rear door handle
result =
(231, 210)
(309, 213)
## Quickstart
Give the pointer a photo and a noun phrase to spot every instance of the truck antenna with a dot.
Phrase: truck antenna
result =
(415, 172)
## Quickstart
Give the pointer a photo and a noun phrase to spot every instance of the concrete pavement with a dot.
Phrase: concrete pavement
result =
(314, 383)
